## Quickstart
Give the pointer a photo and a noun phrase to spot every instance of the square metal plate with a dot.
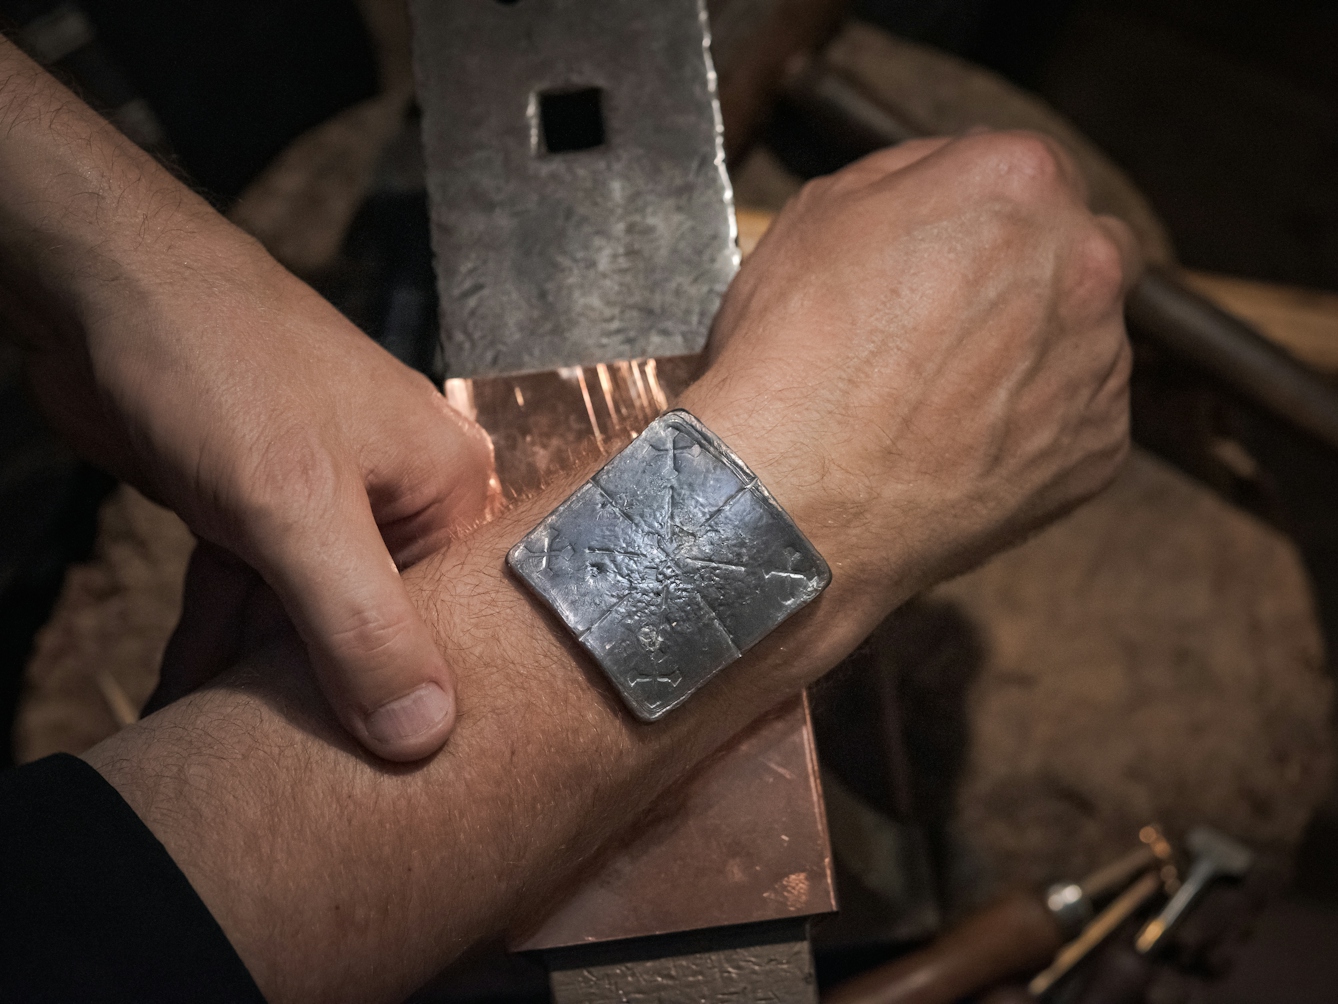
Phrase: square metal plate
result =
(669, 563)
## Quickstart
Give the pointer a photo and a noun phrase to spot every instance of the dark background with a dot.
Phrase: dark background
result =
(1224, 112)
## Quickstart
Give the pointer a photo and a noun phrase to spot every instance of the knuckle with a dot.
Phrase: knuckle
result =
(1124, 368)
(290, 477)
(1026, 164)
(368, 634)
(1114, 456)
(1115, 426)
(479, 455)
(920, 146)
(818, 190)
(416, 384)
(467, 450)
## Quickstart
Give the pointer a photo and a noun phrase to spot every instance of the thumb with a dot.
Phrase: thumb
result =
(374, 657)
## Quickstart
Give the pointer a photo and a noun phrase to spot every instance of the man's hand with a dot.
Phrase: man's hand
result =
(171, 350)
(922, 361)
(926, 357)
(295, 446)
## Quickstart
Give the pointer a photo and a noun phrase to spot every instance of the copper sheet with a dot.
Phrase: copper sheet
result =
(750, 840)
(548, 422)
(749, 844)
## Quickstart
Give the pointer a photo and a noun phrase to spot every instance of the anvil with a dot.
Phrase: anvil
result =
(583, 230)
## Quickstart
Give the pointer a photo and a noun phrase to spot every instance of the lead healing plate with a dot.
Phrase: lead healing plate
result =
(669, 563)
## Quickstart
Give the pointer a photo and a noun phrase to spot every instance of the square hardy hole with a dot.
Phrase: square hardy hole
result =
(572, 120)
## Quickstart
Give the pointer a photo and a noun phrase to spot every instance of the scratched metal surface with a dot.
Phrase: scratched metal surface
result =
(547, 424)
(745, 841)
(757, 964)
(558, 259)
(669, 563)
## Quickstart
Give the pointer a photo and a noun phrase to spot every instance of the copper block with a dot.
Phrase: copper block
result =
(749, 842)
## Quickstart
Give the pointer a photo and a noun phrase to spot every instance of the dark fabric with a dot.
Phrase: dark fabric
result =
(92, 907)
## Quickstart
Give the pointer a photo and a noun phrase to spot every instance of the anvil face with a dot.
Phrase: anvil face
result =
(669, 563)
(581, 212)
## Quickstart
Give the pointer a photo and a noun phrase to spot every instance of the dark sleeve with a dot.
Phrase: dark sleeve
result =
(92, 907)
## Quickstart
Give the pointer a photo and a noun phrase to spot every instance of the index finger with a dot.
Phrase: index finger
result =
(879, 164)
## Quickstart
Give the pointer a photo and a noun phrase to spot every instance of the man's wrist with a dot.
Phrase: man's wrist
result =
(863, 578)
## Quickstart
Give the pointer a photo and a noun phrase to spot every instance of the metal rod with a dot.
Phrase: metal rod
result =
(1153, 849)
(1197, 330)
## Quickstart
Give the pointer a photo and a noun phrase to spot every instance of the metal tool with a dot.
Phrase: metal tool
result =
(1016, 935)
(1122, 975)
(583, 228)
(1102, 927)
(581, 212)
(1215, 855)
(1073, 903)
(1197, 330)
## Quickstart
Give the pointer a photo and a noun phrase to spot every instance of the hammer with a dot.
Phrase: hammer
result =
(1122, 976)
(1215, 855)
(1018, 934)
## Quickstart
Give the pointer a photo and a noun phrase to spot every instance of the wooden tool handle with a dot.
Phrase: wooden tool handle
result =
(1016, 935)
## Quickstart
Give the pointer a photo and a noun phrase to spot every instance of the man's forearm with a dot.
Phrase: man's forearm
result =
(79, 203)
(923, 361)
(339, 877)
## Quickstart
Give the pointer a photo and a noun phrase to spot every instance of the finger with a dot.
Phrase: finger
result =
(209, 632)
(1024, 146)
(374, 657)
(1131, 253)
(432, 481)
(879, 164)
(1068, 164)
